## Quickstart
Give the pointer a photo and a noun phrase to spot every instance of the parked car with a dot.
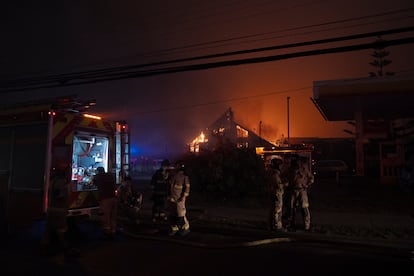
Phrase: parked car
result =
(330, 167)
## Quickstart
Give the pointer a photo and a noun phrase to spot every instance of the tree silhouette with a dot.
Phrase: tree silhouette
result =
(380, 60)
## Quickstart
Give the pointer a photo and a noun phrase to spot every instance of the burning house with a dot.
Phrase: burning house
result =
(226, 130)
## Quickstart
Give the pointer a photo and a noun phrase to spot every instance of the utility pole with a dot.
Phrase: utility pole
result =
(288, 121)
(260, 129)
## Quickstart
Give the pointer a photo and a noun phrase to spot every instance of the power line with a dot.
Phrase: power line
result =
(63, 79)
(224, 101)
(189, 48)
(252, 38)
(287, 30)
(267, 58)
(93, 76)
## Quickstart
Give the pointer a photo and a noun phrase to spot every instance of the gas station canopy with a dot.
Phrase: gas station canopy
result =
(389, 97)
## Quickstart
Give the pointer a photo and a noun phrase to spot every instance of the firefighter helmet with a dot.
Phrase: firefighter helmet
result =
(180, 165)
(100, 170)
(60, 167)
(165, 162)
(276, 162)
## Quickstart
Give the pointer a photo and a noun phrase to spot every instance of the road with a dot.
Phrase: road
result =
(147, 250)
(146, 255)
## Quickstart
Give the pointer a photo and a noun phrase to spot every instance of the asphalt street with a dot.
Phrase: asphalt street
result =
(342, 218)
(354, 212)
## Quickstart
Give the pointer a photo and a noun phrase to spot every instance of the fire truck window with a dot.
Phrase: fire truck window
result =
(89, 153)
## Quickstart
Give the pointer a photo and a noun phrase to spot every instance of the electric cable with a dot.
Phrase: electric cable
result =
(121, 72)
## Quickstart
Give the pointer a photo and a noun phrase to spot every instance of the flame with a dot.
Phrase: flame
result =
(195, 144)
(241, 132)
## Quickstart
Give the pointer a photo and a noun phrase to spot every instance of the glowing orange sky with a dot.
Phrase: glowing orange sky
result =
(88, 35)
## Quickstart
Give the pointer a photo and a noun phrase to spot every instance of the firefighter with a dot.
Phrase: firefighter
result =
(300, 179)
(55, 234)
(160, 184)
(129, 201)
(284, 172)
(124, 191)
(179, 191)
(276, 189)
(107, 202)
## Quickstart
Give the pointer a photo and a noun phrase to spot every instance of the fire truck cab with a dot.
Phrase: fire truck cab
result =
(35, 137)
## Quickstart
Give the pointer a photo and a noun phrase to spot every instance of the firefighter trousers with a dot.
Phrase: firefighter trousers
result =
(109, 214)
(178, 218)
(299, 199)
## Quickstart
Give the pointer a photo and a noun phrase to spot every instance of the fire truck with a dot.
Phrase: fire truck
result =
(36, 136)
(291, 151)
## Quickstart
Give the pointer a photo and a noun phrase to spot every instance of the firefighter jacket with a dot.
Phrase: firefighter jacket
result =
(106, 185)
(300, 178)
(160, 183)
(275, 183)
(124, 192)
(180, 187)
(58, 194)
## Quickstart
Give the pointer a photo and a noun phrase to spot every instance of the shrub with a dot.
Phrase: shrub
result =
(226, 173)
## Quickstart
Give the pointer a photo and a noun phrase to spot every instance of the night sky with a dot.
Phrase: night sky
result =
(167, 111)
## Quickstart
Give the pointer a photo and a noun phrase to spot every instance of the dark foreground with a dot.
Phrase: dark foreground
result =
(151, 254)
(357, 228)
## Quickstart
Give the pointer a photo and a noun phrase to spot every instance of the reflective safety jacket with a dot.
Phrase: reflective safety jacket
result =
(58, 195)
(300, 178)
(160, 183)
(275, 183)
(180, 187)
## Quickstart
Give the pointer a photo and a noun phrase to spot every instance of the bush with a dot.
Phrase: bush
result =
(226, 173)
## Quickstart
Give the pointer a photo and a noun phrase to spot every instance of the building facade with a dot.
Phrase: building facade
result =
(381, 111)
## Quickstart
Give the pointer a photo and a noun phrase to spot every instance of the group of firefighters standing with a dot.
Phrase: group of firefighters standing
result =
(288, 181)
(170, 189)
(55, 237)
(288, 178)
